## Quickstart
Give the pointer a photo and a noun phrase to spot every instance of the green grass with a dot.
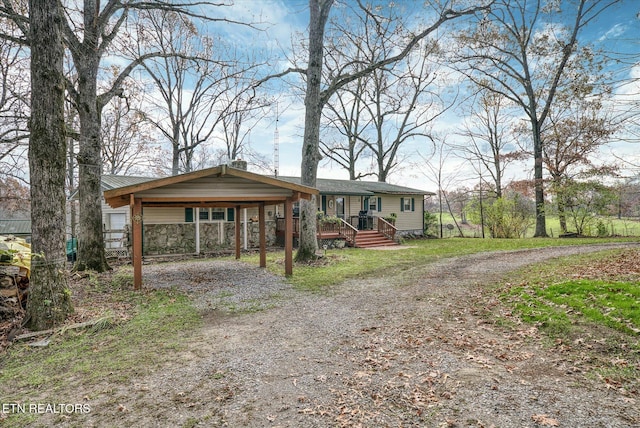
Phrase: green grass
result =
(611, 303)
(597, 316)
(350, 263)
(160, 327)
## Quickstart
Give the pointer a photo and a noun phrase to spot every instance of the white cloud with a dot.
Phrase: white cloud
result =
(614, 32)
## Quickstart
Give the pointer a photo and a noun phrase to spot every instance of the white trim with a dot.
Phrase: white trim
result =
(196, 214)
(244, 227)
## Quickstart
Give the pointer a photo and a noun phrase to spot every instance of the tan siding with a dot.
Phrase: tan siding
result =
(216, 187)
(353, 208)
(163, 215)
(407, 220)
(171, 215)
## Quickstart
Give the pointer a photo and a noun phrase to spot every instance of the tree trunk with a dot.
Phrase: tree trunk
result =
(91, 253)
(319, 11)
(541, 224)
(562, 214)
(49, 298)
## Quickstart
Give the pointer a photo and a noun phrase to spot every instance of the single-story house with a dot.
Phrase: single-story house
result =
(196, 229)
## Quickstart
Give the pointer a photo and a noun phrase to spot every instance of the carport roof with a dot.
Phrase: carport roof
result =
(221, 184)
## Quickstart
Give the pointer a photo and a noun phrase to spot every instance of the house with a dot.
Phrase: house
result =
(199, 229)
(350, 200)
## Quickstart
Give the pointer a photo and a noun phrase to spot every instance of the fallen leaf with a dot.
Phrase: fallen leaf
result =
(545, 420)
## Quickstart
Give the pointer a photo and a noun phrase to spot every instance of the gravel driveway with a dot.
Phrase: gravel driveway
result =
(373, 353)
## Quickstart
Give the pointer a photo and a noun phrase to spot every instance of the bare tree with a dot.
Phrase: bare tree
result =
(194, 78)
(317, 94)
(521, 51)
(245, 110)
(49, 297)
(402, 107)
(346, 119)
(490, 138)
(126, 137)
(14, 104)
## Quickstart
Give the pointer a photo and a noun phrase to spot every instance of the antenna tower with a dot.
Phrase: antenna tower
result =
(276, 146)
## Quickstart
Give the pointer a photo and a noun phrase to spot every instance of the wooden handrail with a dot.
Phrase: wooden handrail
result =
(349, 232)
(386, 228)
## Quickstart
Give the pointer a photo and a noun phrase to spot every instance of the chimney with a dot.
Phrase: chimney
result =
(239, 164)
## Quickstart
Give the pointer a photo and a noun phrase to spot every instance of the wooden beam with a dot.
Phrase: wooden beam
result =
(136, 225)
(288, 237)
(194, 204)
(263, 236)
(236, 219)
(228, 199)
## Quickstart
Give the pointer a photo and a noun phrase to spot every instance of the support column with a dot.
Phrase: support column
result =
(288, 237)
(136, 223)
(196, 214)
(245, 229)
(236, 216)
(263, 235)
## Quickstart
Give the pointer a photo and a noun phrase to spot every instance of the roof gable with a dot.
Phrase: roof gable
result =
(222, 183)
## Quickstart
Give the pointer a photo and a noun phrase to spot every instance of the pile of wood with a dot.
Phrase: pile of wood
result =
(15, 263)
(14, 288)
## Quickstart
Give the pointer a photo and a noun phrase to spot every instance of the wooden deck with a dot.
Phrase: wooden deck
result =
(383, 233)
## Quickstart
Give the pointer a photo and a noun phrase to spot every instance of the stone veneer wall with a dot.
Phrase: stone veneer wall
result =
(181, 238)
(168, 239)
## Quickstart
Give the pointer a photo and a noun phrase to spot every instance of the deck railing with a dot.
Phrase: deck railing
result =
(386, 228)
(347, 231)
(337, 227)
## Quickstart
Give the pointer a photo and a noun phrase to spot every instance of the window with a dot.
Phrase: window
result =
(209, 214)
(407, 204)
(217, 214)
(373, 204)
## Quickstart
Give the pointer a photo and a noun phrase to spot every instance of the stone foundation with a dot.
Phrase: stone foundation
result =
(181, 238)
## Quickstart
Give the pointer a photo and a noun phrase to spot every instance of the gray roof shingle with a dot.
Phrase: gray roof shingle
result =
(326, 186)
(358, 188)
(15, 227)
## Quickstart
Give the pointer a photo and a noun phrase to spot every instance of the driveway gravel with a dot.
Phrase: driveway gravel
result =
(413, 351)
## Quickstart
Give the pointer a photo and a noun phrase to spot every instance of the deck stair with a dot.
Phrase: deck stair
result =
(372, 238)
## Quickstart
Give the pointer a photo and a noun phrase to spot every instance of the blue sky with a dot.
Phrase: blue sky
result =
(617, 30)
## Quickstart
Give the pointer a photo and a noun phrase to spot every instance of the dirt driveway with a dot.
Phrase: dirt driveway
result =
(411, 351)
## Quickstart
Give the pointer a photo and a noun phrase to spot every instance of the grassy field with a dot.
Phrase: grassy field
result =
(614, 227)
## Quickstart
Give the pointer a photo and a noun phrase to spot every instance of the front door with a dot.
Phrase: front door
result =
(340, 208)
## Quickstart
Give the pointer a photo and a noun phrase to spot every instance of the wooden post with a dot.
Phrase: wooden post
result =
(288, 237)
(263, 235)
(236, 218)
(136, 224)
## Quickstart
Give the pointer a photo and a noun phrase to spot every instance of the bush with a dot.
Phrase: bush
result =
(505, 217)
(430, 224)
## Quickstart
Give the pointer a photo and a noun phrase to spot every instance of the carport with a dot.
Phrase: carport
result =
(222, 186)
